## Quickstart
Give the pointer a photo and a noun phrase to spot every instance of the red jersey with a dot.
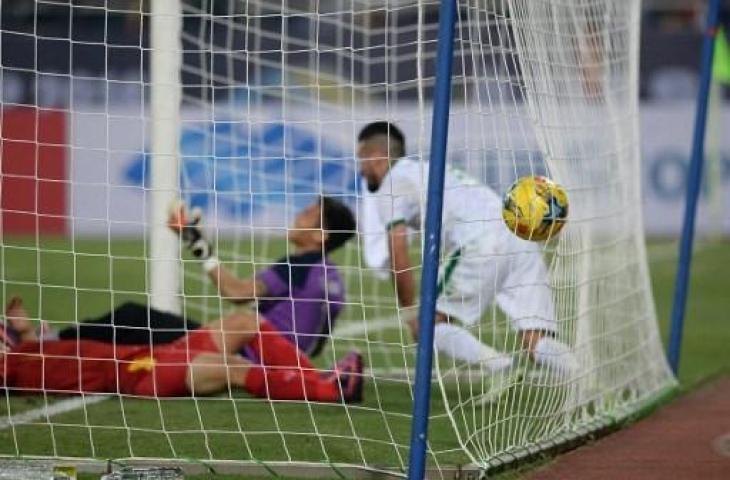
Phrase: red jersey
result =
(74, 366)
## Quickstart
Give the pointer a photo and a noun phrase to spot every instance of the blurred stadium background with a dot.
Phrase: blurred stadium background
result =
(86, 59)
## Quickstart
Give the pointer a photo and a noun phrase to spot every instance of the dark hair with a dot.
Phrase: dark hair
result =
(385, 128)
(337, 221)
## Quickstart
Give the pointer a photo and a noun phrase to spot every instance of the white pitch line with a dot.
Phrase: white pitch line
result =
(353, 329)
(51, 410)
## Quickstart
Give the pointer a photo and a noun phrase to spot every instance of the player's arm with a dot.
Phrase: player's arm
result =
(232, 288)
(400, 265)
(398, 202)
(402, 208)
(235, 289)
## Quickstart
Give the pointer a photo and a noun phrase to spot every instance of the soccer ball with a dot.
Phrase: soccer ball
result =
(535, 208)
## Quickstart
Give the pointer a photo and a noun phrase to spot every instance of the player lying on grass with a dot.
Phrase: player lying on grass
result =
(201, 362)
(484, 262)
(301, 295)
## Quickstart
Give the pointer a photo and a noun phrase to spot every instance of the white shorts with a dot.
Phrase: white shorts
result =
(470, 281)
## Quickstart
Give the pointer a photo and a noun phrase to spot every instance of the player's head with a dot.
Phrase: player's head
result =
(378, 146)
(327, 223)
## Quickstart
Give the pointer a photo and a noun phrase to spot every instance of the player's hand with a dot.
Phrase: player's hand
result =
(409, 316)
(187, 225)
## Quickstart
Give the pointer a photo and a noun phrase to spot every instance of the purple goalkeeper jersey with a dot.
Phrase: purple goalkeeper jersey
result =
(305, 293)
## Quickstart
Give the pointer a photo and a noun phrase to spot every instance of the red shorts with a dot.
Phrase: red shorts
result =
(166, 366)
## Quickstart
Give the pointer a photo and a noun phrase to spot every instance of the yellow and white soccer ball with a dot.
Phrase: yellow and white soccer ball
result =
(535, 208)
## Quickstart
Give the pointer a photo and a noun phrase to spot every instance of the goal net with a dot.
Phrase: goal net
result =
(251, 111)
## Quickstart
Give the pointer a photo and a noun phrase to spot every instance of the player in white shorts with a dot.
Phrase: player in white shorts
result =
(483, 263)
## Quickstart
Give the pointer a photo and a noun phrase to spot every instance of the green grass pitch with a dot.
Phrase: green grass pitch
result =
(63, 280)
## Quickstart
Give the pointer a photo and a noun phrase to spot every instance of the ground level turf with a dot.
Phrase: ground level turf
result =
(64, 282)
(706, 333)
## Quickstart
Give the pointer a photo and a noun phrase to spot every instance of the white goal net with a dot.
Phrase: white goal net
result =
(252, 115)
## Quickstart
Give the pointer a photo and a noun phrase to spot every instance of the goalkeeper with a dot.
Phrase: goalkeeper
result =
(198, 363)
(485, 263)
(301, 295)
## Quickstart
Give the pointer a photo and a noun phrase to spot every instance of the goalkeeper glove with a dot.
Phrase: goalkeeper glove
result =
(190, 230)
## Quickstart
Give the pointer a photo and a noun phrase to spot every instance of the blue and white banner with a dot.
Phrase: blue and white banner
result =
(257, 173)
(243, 174)
(666, 141)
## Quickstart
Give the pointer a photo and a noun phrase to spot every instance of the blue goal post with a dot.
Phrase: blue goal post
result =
(694, 179)
(432, 241)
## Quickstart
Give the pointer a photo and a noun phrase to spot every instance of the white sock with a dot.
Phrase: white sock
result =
(556, 356)
(459, 344)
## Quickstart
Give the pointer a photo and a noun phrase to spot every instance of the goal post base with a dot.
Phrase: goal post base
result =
(598, 428)
(217, 467)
